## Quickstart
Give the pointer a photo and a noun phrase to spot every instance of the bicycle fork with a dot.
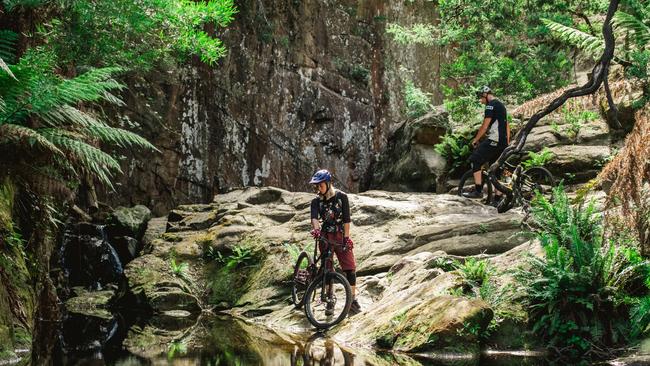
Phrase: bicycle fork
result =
(326, 287)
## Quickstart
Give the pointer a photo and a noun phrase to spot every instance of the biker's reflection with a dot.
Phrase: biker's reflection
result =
(321, 351)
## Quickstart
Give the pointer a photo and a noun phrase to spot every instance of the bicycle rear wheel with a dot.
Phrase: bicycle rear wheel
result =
(302, 273)
(535, 180)
(328, 306)
(467, 184)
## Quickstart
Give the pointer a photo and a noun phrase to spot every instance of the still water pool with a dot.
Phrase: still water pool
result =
(214, 340)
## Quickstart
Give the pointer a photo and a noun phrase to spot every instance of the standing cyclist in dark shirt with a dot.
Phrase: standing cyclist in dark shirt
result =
(330, 218)
(495, 124)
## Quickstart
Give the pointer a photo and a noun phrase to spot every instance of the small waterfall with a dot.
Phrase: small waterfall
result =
(116, 258)
(89, 259)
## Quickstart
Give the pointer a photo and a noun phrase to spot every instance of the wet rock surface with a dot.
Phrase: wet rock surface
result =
(410, 162)
(89, 259)
(242, 262)
(153, 282)
(128, 221)
(90, 303)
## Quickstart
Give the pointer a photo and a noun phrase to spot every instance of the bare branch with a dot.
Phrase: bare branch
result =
(610, 101)
(596, 78)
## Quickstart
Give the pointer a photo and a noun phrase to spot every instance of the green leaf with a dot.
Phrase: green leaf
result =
(593, 46)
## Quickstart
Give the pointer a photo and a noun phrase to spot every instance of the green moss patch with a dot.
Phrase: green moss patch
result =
(444, 323)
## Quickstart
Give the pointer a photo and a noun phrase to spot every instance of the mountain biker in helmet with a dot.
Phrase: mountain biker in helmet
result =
(330, 218)
(495, 125)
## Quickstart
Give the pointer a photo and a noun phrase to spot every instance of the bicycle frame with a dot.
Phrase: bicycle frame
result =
(323, 258)
(510, 192)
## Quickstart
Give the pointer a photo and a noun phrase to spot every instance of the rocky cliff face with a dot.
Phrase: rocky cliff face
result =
(306, 84)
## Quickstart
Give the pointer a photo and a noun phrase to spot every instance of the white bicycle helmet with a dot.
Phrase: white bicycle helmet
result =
(483, 90)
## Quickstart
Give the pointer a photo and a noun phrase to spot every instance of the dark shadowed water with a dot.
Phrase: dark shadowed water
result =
(215, 340)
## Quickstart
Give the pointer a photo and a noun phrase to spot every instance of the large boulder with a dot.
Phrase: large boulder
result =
(91, 303)
(155, 283)
(410, 163)
(595, 132)
(128, 221)
(443, 323)
(578, 163)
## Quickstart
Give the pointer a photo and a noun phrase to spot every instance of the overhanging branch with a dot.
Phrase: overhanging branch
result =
(598, 74)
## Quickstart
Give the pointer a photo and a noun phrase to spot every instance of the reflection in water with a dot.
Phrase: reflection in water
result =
(324, 353)
(221, 341)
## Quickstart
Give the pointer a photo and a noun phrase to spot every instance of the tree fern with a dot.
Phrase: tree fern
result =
(41, 114)
(94, 160)
(628, 23)
(624, 23)
(93, 127)
(592, 45)
(23, 136)
(119, 137)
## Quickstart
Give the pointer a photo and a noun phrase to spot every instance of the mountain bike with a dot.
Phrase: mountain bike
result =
(303, 272)
(327, 295)
(523, 184)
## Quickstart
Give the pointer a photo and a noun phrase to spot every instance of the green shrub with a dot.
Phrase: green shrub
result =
(444, 263)
(456, 149)
(418, 103)
(538, 159)
(415, 34)
(575, 120)
(475, 272)
(463, 108)
(178, 269)
(140, 35)
(294, 250)
(580, 293)
(241, 254)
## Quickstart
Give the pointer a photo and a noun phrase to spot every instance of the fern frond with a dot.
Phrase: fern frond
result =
(46, 181)
(94, 128)
(6, 68)
(91, 158)
(629, 23)
(44, 95)
(12, 5)
(67, 116)
(118, 136)
(591, 45)
(112, 99)
(8, 40)
(21, 137)
(88, 87)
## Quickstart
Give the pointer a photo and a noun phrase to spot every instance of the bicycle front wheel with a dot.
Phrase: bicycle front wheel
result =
(535, 180)
(328, 305)
(467, 184)
(301, 278)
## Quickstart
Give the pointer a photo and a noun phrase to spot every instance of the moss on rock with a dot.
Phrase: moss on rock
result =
(152, 280)
(444, 323)
(16, 294)
(91, 303)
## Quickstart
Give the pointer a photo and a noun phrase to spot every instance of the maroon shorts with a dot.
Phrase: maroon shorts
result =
(346, 259)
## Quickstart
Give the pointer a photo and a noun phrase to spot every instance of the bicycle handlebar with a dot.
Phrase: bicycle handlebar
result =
(331, 242)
